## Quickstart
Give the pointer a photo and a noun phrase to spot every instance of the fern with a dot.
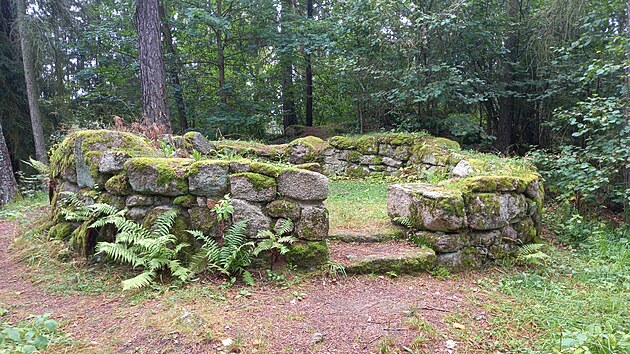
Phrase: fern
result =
(532, 254)
(404, 221)
(275, 243)
(156, 250)
(231, 258)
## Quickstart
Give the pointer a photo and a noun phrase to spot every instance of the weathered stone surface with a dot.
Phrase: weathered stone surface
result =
(112, 161)
(370, 160)
(282, 208)
(252, 187)
(391, 162)
(513, 206)
(484, 212)
(427, 207)
(138, 200)
(357, 170)
(84, 177)
(534, 190)
(334, 166)
(198, 142)
(485, 238)
(468, 258)
(525, 230)
(313, 224)
(163, 176)
(303, 185)
(137, 213)
(239, 167)
(442, 242)
(463, 169)
(69, 173)
(257, 220)
(208, 178)
(204, 220)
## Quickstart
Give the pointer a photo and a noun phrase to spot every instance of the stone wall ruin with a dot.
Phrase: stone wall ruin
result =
(478, 212)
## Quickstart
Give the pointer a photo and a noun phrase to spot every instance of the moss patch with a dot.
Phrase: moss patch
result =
(61, 231)
(119, 184)
(307, 255)
(266, 169)
(258, 181)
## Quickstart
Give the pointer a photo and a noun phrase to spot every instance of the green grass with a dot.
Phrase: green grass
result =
(16, 210)
(578, 300)
(358, 206)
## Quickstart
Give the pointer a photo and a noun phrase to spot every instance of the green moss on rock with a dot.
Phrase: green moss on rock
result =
(266, 169)
(185, 200)
(61, 231)
(307, 255)
(258, 181)
(119, 185)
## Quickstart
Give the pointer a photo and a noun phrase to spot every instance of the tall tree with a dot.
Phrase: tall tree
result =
(506, 101)
(308, 120)
(31, 84)
(153, 83)
(8, 185)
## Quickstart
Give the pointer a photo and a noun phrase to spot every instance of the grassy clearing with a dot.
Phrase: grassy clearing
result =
(577, 303)
(358, 206)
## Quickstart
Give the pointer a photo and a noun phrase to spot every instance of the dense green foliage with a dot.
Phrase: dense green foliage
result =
(30, 336)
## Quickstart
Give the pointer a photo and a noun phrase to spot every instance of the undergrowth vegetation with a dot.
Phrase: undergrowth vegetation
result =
(29, 336)
(576, 303)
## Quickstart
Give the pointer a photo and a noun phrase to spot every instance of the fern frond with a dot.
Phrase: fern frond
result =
(119, 253)
(163, 223)
(40, 167)
(102, 209)
(178, 271)
(285, 227)
(530, 249)
(235, 234)
(404, 221)
(139, 281)
(286, 240)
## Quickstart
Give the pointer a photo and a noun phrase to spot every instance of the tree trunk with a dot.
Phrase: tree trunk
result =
(289, 116)
(173, 70)
(506, 102)
(8, 185)
(31, 85)
(154, 109)
(221, 58)
(308, 121)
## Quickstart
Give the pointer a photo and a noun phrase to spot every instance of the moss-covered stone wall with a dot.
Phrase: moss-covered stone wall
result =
(124, 170)
(470, 221)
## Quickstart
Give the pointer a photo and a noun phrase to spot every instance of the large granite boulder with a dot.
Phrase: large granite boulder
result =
(303, 185)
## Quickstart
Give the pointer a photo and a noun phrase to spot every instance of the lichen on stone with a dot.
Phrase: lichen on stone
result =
(307, 255)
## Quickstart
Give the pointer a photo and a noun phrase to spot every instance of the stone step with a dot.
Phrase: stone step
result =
(388, 233)
(381, 258)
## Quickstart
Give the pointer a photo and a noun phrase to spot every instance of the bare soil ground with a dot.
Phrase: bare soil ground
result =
(314, 314)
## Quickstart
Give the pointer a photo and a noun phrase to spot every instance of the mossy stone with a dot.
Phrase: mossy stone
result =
(185, 200)
(307, 255)
(119, 185)
(342, 142)
(164, 176)
(282, 208)
(367, 144)
(489, 184)
(258, 181)
(61, 231)
(422, 259)
(265, 169)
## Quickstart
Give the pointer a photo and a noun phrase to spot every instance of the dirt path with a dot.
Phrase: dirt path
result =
(357, 314)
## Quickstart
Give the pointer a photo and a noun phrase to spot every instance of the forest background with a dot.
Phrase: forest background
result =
(547, 78)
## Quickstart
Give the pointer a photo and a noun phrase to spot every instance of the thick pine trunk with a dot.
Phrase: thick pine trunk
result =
(506, 102)
(154, 109)
(8, 185)
(308, 120)
(32, 91)
(173, 71)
